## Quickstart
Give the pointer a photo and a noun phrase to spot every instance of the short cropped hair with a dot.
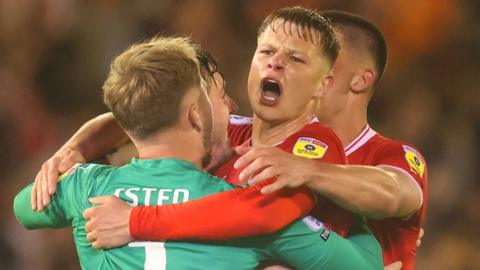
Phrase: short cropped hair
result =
(147, 83)
(306, 20)
(376, 43)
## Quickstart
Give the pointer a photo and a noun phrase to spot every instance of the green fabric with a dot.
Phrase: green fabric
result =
(166, 181)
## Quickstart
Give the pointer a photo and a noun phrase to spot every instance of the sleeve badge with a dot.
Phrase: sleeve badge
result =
(309, 148)
(414, 161)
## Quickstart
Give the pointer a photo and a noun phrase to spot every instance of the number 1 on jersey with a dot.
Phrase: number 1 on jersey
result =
(155, 254)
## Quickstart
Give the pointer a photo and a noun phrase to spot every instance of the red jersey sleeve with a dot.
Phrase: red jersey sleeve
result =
(236, 213)
(408, 160)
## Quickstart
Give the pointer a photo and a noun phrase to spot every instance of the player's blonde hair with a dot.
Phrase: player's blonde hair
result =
(147, 82)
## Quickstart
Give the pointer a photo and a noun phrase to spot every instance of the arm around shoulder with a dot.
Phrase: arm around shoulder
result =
(391, 187)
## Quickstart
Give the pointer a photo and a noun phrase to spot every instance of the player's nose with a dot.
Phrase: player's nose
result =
(276, 62)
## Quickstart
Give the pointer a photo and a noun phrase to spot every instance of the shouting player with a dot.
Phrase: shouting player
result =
(392, 189)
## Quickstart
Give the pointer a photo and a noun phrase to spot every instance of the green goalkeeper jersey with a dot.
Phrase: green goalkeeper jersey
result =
(304, 244)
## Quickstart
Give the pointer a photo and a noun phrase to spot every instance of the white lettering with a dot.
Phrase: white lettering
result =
(177, 193)
(162, 197)
(146, 196)
(148, 192)
(132, 196)
(117, 192)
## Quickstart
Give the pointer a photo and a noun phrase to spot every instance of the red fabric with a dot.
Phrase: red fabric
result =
(396, 236)
(235, 213)
(241, 212)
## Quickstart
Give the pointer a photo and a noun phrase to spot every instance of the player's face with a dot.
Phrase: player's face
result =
(286, 75)
(335, 97)
(222, 106)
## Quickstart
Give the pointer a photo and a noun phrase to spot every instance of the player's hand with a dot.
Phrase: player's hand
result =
(420, 236)
(108, 222)
(45, 183)
(262, 163)
(394, 266)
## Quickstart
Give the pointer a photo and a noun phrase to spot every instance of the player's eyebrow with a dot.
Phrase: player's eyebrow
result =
(266, 46)
(293, 51)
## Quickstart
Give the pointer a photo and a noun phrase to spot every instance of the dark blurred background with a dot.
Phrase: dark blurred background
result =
(55, 54)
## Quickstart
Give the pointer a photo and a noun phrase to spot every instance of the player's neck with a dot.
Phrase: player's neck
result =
(264, 133)
(172, 145)
(349, 123)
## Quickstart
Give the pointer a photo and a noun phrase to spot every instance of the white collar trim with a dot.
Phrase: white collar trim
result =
(360, 140)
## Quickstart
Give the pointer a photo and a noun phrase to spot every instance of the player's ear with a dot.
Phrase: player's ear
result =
(325, 85)
(194, 118)
(363, 80)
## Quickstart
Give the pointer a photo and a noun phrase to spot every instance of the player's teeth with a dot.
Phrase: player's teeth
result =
(269, 98)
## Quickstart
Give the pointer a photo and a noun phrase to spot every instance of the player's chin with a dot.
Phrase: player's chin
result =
(272, 115)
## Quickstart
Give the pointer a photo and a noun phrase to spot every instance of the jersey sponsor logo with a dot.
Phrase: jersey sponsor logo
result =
(414, 161)
(309, 148)
(313, 223)
(69, 171)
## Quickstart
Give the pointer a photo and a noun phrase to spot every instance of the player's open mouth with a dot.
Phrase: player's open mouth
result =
(271, 92)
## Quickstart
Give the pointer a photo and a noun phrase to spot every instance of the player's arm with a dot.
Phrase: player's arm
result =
(230, 214)
(57, 214)
(316, 247)
(50, 217)
(371, 191)
(96, 138)
(393, 188)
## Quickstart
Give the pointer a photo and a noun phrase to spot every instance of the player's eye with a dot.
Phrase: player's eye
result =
(297, 59)
(266, 52)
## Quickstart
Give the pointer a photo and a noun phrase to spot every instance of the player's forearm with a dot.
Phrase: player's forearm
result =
(365, 190)
(27, 217)
(97, 137)
(237, 213)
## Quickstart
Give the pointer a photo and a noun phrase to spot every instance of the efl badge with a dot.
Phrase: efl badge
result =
(414, 161)
(309, 148)
(313, 223)
(69, 171)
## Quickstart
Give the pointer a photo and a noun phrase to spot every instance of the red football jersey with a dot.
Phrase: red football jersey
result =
(397, 236)
(316, 134)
